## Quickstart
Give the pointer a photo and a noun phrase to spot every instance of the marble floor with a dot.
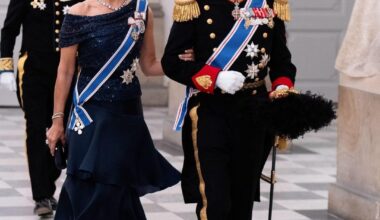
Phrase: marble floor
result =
(304, 174)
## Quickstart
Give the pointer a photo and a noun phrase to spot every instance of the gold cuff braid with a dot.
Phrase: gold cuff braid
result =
(6, 64)
(282, 93)
(186, 10)
(282, 9)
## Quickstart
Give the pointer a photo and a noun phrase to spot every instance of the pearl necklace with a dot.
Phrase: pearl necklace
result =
(108, 5)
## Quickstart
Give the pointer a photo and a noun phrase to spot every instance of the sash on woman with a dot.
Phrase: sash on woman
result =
(80, 118)
(225, 55)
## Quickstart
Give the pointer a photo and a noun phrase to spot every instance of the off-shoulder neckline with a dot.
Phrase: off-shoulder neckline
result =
(102, 15)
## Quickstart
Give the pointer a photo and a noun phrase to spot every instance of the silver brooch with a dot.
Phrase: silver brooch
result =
(128, 74)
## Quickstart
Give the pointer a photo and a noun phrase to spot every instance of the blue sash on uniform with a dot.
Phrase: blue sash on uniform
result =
(79, 117)
(226, 54)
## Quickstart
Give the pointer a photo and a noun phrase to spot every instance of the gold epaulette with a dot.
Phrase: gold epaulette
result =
(6, 64)
(282, 9)
(186, 10)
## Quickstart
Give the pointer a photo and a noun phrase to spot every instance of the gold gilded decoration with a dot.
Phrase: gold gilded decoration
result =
(202, 185)
(6, 64)
(282, 9)
(20, 76)
(282, 143)
(282, 93)
(186, 10)
(204, 81)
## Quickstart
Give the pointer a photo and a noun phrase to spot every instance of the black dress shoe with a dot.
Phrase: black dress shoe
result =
(43, 208)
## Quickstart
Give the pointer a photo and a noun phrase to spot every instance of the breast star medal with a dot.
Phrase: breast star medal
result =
(264, 60)
(127, 77)
(128, 74)
(38, 4)
(252, 50)
(66, 10)
(252, 70)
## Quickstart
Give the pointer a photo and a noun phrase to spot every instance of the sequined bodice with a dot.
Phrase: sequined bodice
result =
(98, 37)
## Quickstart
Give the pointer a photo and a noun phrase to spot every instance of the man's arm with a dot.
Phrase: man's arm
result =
(282, 70)
(191, 73)
(11, 29)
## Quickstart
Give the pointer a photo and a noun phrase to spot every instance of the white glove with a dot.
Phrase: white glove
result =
(230, 81)
(7, 80)
(282, 87)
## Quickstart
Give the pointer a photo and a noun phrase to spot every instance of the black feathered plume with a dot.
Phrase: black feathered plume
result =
(296, 114)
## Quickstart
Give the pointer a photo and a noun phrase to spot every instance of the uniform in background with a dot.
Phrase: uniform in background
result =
(224, 151)
(40, 22)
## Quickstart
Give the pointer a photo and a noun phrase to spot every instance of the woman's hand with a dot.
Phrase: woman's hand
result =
(188, 55)
(54, 134)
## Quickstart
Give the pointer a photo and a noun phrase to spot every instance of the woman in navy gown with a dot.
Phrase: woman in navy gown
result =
(112, 160)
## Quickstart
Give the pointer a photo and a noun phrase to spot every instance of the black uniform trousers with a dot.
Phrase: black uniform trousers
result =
(35, 90)
(224, 156)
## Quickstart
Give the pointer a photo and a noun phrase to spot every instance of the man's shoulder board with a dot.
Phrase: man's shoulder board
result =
(185, 10)
(282, 9)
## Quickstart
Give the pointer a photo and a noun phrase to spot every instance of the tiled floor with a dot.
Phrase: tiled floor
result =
(304, 174)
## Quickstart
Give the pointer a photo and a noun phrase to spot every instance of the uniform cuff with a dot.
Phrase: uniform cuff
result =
(6, 64)
(282, 81)
(205, 79)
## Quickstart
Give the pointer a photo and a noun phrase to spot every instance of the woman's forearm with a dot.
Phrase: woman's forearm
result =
(62, 88)
(154, 68)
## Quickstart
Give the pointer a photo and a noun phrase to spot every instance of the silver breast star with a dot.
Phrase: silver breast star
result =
(252, 71)
(66, 10)
(252, 50)
(127, 76)
(264, 60)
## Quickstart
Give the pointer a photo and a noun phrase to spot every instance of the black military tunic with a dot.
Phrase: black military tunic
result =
(40, 21)
(225, 152)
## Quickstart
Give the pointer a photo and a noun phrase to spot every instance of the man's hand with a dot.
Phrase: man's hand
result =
(188, 55)
(7, 80)
(230, 81)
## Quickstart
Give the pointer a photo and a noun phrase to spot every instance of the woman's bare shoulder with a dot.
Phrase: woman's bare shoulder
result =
(81, 8)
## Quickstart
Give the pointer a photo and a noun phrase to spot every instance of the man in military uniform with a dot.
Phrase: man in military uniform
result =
(37, 67)
(237, 44)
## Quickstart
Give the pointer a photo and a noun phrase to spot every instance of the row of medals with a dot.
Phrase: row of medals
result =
(264, 16)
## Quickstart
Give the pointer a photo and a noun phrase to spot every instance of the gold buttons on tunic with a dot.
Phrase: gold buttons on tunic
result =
(209, 21)
(57, 40)
(57, 13)
(265, 35)
(56, 3)
(206, 7)
(254, 92)
(57, 22)
(57, 49)
(212, 35)
(214, 49)
(263, 50)
(57, 31)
